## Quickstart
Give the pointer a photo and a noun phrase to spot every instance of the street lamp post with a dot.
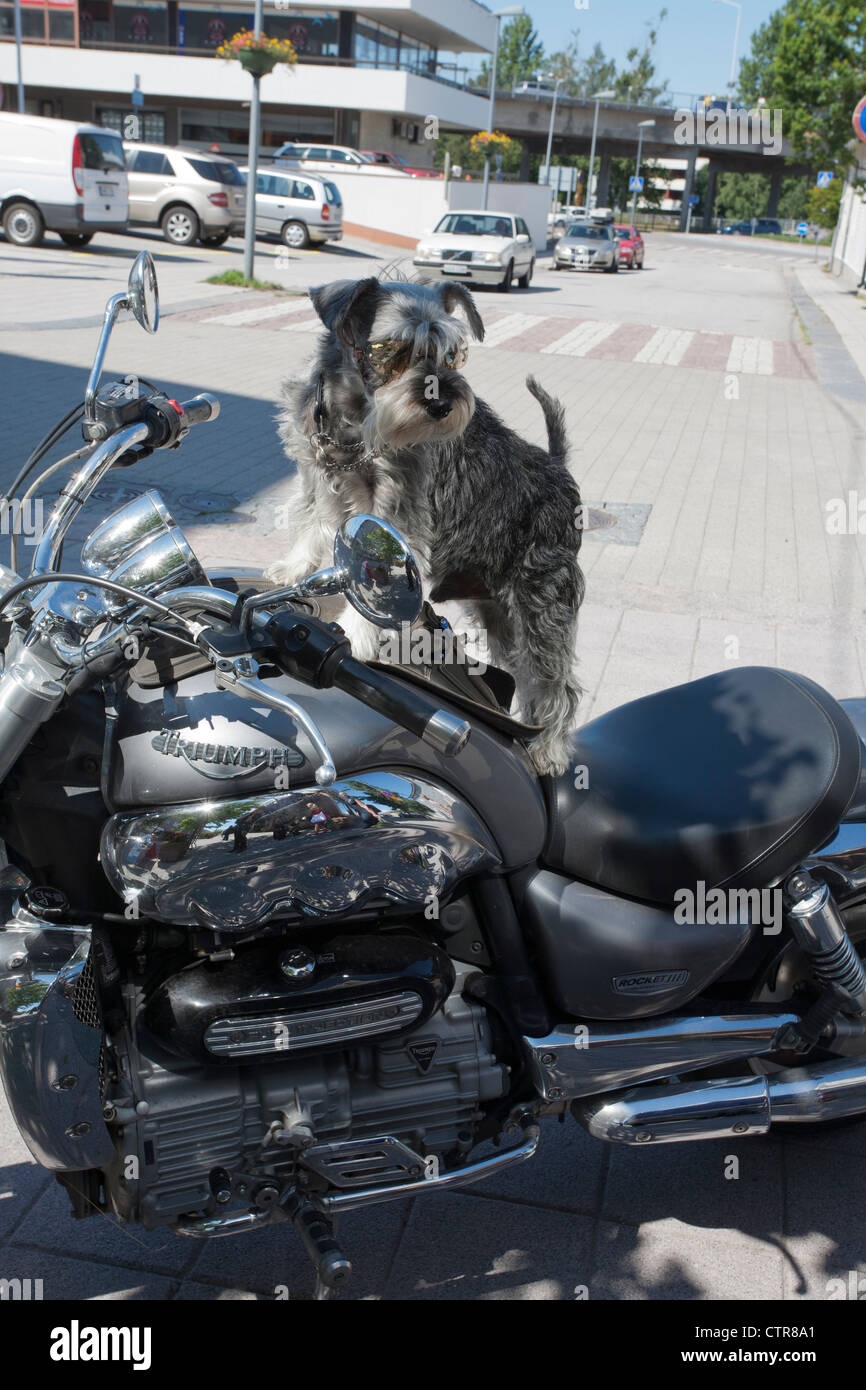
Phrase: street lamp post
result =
(641, 127)
(18, 56)
(510, 12)
(596, 97)
(253, 160)
(735, 5)
(557, 81)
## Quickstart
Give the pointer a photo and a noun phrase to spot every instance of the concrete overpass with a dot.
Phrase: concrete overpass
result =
(527, 118)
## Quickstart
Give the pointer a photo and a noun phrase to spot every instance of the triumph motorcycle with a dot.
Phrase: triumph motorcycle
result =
(285, 934)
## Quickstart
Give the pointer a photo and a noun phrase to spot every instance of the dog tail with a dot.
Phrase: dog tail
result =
(554, 418)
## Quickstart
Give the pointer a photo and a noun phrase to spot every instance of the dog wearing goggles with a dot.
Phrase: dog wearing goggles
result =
(385, 423)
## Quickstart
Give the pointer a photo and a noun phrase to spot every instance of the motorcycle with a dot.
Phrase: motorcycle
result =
(285, 934)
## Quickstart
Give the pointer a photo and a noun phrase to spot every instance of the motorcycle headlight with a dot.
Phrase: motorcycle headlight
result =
(140, 545)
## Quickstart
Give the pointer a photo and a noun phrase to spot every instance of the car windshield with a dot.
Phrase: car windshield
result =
(586, 231)
(475, 224)
(214, 172)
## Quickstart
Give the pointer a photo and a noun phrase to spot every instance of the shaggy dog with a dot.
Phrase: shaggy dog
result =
(385, 423)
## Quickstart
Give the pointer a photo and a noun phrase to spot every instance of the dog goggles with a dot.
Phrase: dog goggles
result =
(393, 357)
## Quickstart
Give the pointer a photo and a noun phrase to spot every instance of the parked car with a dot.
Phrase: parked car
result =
(758, 226)
(487, 248)
(297, 210)
(384, 159)
(190, 196)
(587, 246)
(323, 158)
(631, 247)
(61, 176)
(541, 89)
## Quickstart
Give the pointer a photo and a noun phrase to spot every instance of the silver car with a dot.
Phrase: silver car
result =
(587, 246)
(299, 210)
(190, 196)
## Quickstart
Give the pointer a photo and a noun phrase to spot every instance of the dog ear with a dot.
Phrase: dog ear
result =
(452, 295)
(347, 308)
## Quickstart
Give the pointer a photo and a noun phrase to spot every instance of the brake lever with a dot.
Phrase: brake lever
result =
(241, 675)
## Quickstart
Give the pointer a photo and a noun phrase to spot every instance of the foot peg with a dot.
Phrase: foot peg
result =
(317, 1233)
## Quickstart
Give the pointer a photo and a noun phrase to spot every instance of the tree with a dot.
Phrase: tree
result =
(740, 197)
(809, 60)
(581, 76)
(822, 204)
(521, 54)
(635, 82)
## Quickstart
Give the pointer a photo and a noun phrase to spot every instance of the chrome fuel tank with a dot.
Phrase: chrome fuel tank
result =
(189, 742)
(371, 839)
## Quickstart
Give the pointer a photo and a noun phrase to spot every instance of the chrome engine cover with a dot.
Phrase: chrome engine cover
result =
(229, 865)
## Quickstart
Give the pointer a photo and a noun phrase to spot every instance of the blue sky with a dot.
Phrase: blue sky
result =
(695, 41)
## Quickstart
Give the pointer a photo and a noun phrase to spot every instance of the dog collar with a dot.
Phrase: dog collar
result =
(322, 443)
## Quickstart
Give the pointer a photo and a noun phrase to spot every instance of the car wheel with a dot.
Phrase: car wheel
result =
(216, 239)
(76, 238)
(180, 226)
(505, 284)
(295, 234)
(524, 280)
(613, 267)
(23, 224)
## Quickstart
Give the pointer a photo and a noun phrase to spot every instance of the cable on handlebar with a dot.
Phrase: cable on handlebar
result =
(42, 448)
(65, 577)
(33, 488)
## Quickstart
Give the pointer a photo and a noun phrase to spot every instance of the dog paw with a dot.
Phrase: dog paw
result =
(548, 759)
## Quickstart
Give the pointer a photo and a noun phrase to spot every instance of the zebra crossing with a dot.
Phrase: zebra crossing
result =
(566, 336)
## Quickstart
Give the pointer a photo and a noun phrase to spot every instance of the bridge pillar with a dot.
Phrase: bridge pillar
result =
(524, 163)
(710, 197)
(689, 188)
(602, 188)
(775, 191)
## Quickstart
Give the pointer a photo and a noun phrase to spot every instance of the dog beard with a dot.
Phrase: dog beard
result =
(399, 419)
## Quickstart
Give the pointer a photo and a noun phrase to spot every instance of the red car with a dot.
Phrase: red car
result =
(631, 247)
(396, 161)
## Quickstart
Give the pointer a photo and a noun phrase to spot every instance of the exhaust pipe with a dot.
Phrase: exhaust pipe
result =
(718, 1109)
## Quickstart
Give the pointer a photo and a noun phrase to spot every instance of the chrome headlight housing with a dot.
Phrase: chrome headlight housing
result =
(141, 546)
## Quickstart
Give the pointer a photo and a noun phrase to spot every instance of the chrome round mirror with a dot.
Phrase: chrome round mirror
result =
(143, 292)
(382, 579)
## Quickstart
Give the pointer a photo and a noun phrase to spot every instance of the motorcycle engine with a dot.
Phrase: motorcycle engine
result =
(275, 1067)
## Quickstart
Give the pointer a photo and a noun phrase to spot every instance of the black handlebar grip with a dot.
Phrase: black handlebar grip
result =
(199, 410)
(410, 708)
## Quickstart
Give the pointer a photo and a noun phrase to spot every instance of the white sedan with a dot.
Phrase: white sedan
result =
(486, 248)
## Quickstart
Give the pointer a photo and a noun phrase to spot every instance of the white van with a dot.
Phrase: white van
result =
(61, 176)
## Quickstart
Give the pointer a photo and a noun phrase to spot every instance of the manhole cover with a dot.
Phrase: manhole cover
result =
(117, 493)
(204, 503)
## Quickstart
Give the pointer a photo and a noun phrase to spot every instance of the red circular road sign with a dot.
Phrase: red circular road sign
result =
(858, 120)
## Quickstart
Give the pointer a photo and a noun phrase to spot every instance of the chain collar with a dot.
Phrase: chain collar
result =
(323, 443)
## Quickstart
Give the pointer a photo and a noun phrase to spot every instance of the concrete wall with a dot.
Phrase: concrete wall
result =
(850, 241)
(400, 210)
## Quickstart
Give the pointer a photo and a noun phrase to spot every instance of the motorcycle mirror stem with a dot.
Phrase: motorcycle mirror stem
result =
(141, 298)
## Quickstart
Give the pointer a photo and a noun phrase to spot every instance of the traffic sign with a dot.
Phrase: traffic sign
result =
(694, 199)
(825, 178)
(802, 228)
(858, 120)
(635, 184)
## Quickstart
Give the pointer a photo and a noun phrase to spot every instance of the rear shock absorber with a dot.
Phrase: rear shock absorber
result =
(819, 929)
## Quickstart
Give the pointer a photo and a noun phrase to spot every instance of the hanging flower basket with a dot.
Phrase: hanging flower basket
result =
(257, 56)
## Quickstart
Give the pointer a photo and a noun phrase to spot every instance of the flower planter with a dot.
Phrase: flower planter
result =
(257, 61)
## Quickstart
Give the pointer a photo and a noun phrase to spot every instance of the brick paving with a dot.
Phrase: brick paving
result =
(722, 389)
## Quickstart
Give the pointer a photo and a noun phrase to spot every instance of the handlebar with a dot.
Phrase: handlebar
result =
(407, 707)
(198, 410)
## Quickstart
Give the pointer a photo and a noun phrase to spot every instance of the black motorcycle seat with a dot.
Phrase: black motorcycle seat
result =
(730, 780)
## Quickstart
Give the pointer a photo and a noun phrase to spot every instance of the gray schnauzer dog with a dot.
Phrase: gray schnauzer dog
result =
(385, 423)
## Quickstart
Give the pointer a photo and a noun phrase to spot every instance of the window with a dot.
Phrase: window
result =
(141, 25)
(303, 190)
(101, 151)
(94, 22)
(216, 171)
(315, 152)
(522, 229)
(311, 35)
(341, 157)
(332, 193)
(150, 162)
(146, 126)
